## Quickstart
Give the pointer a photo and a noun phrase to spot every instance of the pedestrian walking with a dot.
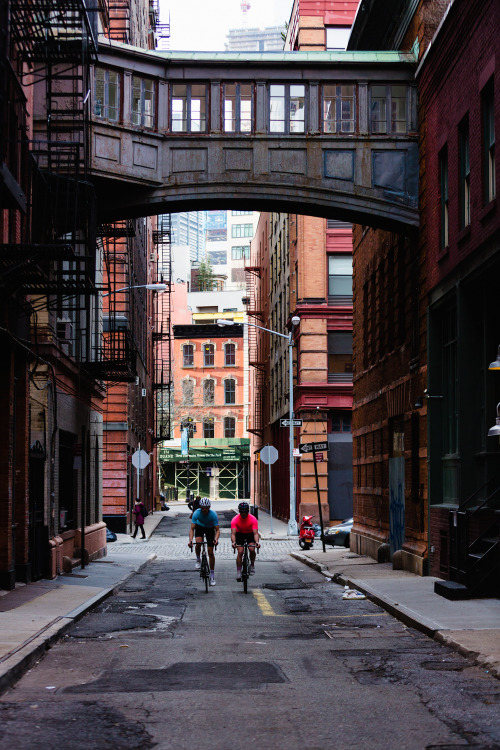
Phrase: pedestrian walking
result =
(140, 514)
(194, 505)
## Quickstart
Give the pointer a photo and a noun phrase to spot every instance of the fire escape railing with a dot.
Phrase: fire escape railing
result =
(162, 337)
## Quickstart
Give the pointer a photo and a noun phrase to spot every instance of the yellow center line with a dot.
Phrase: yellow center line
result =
(264, 605)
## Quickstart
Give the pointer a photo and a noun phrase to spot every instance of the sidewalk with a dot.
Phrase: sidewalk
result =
(33, 617)
(470, 627)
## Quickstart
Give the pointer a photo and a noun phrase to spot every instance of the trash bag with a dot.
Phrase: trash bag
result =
(110, 535)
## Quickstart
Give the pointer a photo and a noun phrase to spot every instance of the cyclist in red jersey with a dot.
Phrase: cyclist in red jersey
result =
(245, 526)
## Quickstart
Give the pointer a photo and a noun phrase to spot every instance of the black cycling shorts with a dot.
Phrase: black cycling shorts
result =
(241, 537)
(203, 531)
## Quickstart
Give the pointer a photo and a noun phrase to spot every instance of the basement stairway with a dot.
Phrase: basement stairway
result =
(474, 551)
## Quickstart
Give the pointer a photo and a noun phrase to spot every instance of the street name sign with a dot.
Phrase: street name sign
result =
(286, 423)
(312, 447)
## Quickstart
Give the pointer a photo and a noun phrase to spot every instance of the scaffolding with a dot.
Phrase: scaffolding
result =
(162, 336)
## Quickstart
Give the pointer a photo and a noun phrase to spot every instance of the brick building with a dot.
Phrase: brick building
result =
(461, 227)
(208, 372)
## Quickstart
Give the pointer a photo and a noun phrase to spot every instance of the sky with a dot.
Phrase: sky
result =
(202, 25)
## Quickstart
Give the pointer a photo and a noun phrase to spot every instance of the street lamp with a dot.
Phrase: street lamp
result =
(152, 287)
(292, 523)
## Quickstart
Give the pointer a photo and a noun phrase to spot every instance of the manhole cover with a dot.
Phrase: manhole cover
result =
(185, 676)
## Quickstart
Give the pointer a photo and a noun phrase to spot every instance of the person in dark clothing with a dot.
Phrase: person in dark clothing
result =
(194, 505)
(140, 513)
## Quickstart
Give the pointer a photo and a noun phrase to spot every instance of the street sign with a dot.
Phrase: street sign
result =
(296, 453)
(312, 447)
(269, 454)
(140, 459)
(286, 423)
(318, 457)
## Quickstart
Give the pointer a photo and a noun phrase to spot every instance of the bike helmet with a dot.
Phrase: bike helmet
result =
(205, 502)
(244, 508)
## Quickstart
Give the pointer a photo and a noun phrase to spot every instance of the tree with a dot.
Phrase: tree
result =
(205, 277)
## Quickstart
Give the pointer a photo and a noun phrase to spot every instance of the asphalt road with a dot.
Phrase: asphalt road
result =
(290, 665)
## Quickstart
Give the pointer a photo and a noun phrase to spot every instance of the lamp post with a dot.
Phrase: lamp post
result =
(292, 523)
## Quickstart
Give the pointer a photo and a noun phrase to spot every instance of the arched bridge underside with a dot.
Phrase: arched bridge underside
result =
(325, 134)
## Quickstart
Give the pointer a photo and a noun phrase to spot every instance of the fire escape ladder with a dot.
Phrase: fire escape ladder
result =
(162, 336)
(57, 268)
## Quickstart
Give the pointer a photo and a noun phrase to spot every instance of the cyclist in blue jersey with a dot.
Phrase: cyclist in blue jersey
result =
(205, 523)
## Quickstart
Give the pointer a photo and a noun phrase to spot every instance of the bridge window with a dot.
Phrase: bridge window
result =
(107, 94)
(242, 230)
(143, 102)
(388, 109)
(189, 108)
(238, 252)
(338, 109)
(238, 108)
(287, 108)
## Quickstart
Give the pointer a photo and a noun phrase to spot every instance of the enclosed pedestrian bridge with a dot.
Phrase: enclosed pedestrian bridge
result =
(320, 133)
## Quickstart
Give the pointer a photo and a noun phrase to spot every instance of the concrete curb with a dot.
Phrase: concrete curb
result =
(14, 666)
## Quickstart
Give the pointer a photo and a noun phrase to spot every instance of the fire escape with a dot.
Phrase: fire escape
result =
(162, 337)
(56, 266)
(255, 359)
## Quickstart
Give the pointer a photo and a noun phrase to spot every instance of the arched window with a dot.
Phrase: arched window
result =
(230, 391)
(187, 355)
(229, 354)
(208, 392)
(208, 355)
(229, 427)
(188, 392)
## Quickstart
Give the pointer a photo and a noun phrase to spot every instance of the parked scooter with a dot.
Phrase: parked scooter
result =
(306, 533)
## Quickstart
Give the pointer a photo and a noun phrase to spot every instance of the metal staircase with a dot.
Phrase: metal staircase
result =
(474, 534)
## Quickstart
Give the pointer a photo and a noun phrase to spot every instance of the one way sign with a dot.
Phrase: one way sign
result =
(312, 447)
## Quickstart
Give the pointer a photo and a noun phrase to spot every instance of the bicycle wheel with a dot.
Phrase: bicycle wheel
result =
(205, 571)
(245, 570)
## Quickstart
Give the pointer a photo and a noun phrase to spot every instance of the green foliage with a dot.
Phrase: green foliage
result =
(205, 278)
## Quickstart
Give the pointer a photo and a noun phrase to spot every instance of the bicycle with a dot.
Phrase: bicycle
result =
(245, 563)
(205, 567)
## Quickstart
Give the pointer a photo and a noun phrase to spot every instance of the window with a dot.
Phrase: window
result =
(208, 392)
(208, 427)
(287, 108)
(230, 391)
(229, 427)
(188, 355)
(208, 355)
(339, 356)
(241, 213)
(388, 109)
(189, 108)
(238, 108)
(338, 109)
(337, 37)
(239, 252)
(143, 102)
(443, 180)
(340, 278)
(464, 166)
(107, 95)
(242, 230)
(217, 257)
(341, 421)
(489, 174)
(229, 354)
(188, 392)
